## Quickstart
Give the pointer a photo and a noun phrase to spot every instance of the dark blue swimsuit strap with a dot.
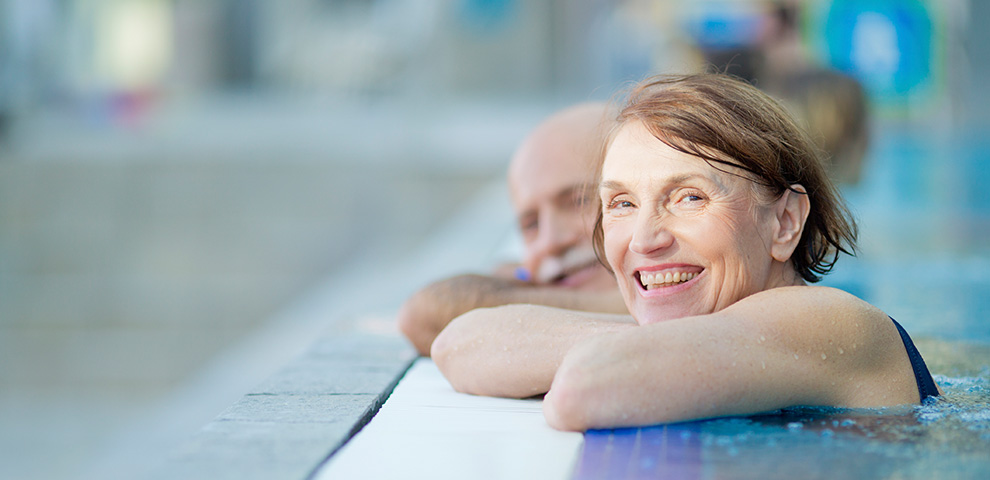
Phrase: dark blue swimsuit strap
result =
(926, 386)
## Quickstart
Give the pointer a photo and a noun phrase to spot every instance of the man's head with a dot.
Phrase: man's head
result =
(551, 182)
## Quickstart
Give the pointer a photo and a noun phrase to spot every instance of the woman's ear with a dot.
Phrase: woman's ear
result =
(790, 212)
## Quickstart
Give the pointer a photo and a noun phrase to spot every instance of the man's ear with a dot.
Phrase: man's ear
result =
(790, 212)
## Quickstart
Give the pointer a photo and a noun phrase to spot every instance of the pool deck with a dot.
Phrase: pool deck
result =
(429, 431)
(287, 426)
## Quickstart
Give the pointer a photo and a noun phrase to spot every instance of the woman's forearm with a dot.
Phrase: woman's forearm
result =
(515, 350)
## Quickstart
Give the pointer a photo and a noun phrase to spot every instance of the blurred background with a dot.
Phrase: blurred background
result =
(175, 173)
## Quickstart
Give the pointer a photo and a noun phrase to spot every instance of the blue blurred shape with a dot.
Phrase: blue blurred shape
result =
(723, 28)
(487, 15)
(886, 44)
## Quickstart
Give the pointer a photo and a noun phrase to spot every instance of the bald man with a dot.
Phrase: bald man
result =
(551, 184)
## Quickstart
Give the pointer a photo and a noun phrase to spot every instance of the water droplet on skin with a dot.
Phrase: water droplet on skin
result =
(823, 356)
(841, 351)
(795, 356)
(762, 339)
(764, 365)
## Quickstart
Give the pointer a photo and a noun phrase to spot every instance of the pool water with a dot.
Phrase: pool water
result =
(924, 212)
(948, 437)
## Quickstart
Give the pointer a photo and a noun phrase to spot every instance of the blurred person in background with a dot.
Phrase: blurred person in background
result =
(763, 45)
(550, 177)
(831, 105)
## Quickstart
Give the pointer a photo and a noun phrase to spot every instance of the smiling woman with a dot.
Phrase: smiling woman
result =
(716, 213)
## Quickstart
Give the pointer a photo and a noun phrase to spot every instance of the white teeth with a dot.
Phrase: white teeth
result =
(657, 280)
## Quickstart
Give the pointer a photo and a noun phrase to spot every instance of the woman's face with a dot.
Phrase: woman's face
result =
(682, 237)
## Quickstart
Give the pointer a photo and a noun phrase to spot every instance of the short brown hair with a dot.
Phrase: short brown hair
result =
(726, 121)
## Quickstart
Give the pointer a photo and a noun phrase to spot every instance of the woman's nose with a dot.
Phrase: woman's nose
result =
(650, 234)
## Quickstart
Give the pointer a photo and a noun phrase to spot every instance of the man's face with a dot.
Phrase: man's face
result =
(556, 211)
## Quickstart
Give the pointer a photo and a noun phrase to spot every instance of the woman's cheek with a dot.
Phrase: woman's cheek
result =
(616, 243)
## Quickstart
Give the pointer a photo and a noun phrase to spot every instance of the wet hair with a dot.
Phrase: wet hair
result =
(725, 121)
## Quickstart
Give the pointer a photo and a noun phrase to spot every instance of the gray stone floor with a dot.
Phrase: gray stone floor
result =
(287, 425)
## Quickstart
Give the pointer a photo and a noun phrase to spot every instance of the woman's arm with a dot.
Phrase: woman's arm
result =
(778, 348)
(426, 313)
(514, 350)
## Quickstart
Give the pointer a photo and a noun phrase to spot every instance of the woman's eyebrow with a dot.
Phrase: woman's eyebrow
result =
(676, 179)
(610, 185)
(686, 177)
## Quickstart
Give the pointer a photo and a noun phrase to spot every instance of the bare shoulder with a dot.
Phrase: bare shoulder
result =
(852, 343)
(823, 319)
(807, 295)
(804, 305)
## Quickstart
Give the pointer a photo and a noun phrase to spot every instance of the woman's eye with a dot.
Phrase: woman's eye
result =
(689, 201)
(691, 197)
(619, 207)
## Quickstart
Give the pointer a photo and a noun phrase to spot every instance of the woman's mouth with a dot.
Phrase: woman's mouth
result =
(669, 278)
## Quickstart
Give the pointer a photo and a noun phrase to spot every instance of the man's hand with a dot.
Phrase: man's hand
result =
(425, 314)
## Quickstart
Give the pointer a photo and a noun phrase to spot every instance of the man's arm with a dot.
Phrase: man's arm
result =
(515, 350)
(429, 310)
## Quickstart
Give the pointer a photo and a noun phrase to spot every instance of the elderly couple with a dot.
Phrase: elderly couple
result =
(670, 250)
